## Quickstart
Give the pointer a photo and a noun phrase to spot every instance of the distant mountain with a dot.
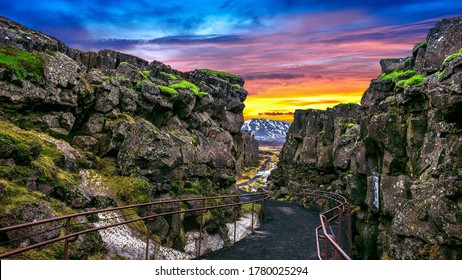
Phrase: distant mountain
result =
(267, 130)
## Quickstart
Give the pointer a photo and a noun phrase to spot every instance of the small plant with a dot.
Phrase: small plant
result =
(321, 132)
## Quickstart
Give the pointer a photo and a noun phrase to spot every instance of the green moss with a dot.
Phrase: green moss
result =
(189, 86)
(416, 80)
(169, 90)
(219, 74)
(453, 56)
(237, 86)
(321, 132)
(441, 74)
(349, 125)
(201, 93)
(419, 45)
(169, 75)
(138, 85)
(22, 62)
(395, 76)
(145, 74)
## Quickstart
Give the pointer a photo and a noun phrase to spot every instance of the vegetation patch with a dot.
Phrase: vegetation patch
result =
(168, 90)
(420, 45)
(452, 56)
(22, 62)
(219, 74)
(169, 75)
(396, 76)
(188, 86)
(246, 208)
(349, 125)
(145, 74)
(416, 80)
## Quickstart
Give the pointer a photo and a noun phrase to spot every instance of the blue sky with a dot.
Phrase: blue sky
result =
(293, 54)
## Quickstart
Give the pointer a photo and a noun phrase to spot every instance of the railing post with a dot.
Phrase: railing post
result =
(148, 233)
(200, 228)
(253, 207)
(326, 244)
(340, 218)
(350, 241)
(261, 208)
(235, 220)
(66, 241)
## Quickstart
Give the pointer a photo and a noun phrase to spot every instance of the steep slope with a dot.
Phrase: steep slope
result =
(97, 129)
(267, 130)
(407, 136)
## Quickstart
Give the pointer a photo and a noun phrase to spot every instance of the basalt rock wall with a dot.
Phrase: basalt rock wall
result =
(407, 132)
(90, 130)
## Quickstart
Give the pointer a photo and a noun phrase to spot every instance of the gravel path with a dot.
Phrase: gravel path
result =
(289, 234)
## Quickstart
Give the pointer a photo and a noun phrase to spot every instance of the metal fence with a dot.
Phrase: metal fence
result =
(190, 212)
(333, 236)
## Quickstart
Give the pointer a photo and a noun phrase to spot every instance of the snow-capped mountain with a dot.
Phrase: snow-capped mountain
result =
(267, 130)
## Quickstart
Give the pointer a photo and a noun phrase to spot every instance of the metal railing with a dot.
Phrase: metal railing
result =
(334, 232)
(65, 224)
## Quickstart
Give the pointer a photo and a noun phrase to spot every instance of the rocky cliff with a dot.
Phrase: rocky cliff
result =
(407, 133)
(96, 129)
(250, 155)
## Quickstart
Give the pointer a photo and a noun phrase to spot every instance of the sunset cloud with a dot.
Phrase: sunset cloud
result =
(292, 54)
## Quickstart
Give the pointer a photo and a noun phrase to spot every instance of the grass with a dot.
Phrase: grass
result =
(22, 62)
(246, 208)
(219, 74)
(188, 86)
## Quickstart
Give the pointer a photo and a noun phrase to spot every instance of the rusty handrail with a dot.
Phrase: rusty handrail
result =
(260, 197)
(336, 214)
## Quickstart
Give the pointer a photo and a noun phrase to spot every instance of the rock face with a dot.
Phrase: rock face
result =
(407, 132)
(250, 154)
(114, 119)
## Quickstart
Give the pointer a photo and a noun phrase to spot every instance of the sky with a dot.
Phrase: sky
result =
(292, 54)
